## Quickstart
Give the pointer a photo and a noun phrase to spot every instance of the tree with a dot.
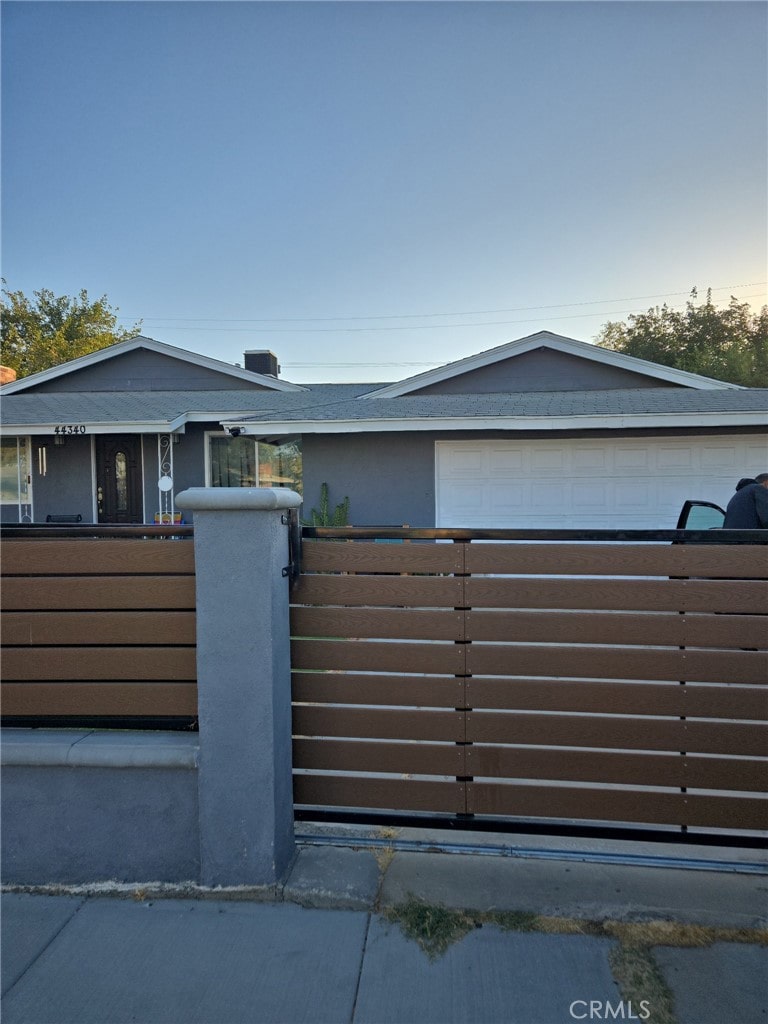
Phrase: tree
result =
(728, 344)
(38, 333)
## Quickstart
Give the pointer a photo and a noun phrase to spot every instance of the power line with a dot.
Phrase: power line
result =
(406, 327)
(424, 316)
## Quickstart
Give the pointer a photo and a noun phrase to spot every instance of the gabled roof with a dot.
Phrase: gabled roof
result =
(140, 342)
(557, 343)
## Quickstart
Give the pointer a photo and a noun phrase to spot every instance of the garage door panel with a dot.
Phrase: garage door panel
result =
(548, 460)
(674, 458)
(631, 459)
(506, 461)
(593, 460)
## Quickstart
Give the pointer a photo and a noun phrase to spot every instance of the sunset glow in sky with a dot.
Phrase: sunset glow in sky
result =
(369, 189)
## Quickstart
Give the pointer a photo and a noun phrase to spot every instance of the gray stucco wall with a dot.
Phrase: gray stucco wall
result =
(542, 370)
(97, 807)
(390, 478)
(66, 488)
(144, 371)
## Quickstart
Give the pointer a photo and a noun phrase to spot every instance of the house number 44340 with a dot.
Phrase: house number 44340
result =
(70, 428)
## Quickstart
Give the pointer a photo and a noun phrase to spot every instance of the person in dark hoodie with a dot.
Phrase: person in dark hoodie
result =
(748, 508)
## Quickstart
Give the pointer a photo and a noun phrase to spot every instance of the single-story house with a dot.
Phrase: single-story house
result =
(545, 431)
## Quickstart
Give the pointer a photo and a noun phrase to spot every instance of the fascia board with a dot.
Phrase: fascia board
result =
(558, 343)
(475, 423)
(112, 351)
(113, 427)
(215, 416)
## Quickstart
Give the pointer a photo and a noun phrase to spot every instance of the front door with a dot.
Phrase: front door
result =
(118, 478)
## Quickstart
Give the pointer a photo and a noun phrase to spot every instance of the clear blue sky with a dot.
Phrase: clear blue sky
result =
(238, 174)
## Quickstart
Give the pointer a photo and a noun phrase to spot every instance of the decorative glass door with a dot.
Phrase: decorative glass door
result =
(119, 478)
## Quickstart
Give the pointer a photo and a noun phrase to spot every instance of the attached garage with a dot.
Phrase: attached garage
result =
(599, 483)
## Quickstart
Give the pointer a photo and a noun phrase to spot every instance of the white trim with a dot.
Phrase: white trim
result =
(113, 427)
(558, 343)
(619, 421)
(151, 345)
(143, 489)
(94, 484)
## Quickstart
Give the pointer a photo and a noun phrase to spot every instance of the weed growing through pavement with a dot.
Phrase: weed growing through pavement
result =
(435, 928)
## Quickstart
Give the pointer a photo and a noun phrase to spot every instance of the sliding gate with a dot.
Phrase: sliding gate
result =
(614, 683)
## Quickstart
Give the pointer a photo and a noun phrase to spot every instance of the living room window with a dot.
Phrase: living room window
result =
(246, 462)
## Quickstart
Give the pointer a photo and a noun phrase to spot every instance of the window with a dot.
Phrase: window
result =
(14, 471)
(246, 462)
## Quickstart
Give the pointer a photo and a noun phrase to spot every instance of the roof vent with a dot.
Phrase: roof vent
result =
(262, 361)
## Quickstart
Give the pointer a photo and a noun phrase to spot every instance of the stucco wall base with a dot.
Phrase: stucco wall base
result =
(90, 807)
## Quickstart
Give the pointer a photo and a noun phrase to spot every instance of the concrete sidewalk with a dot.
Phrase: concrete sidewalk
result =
(328, 946)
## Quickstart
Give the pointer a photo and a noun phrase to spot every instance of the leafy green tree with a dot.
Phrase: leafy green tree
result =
(47, 330)
(728, 344)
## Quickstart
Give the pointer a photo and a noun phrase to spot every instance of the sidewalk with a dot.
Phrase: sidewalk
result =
(328, 947)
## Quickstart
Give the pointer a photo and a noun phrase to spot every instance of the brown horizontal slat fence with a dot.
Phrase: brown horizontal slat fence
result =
(546, 682)
(98, 629)
(378, 677)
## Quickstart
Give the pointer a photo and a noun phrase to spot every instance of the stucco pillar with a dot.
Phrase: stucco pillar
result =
(244, 682)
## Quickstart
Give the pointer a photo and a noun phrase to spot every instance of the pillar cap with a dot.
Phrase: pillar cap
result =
(220, 499)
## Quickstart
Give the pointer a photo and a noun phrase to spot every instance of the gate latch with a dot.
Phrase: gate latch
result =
(293, 569)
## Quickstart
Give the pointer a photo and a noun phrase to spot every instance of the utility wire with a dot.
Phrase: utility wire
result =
(423, 316)
(404, 327)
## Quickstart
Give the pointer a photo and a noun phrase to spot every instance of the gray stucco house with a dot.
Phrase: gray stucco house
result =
(542, 432)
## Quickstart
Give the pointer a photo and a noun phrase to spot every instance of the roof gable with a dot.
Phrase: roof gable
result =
(95, 371)
(446, 378)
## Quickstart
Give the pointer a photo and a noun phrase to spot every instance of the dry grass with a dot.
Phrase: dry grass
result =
(641, 982)
(435, 928)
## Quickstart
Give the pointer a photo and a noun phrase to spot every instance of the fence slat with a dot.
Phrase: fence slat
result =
(608, 767)
(619, 559)
(350, 688)
(99, 698)
(361, 757)
(606, 662)
(94, 557)
(378, 723)
(644, 628)
(619, 594)
(380, 591)
(98, 593)
(620, 698)
(745, 738)
(394, 623)
(601, 804)
(99, 663)
(361, 556)
(434, 658)
(395, 794)
(107, 627)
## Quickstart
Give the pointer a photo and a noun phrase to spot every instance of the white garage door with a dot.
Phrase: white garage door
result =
(604, 483)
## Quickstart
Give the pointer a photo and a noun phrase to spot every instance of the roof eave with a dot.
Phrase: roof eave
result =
(619, 421)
